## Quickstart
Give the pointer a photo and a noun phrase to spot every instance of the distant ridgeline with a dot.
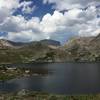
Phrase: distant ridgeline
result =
(78, 49)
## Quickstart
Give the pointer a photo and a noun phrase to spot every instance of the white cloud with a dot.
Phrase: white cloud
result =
(7, 7)
(26, 8)
(70, 4)
(12, 24)
(56, 26)
(19, 29)
(25, 36)
(9, 4)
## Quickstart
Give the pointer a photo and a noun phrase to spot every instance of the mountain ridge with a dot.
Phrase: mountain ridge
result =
(80, 49)
(7, 43)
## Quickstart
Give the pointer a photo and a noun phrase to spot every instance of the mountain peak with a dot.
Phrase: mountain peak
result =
(50, 42)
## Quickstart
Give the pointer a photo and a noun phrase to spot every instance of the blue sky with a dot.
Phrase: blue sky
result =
(34, 20)
(40, 11)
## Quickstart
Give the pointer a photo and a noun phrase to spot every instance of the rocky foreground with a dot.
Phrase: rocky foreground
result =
(77, 49)
(30, 95)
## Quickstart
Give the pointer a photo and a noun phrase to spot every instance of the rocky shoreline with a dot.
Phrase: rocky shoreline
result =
(32, 95)
(8, 73)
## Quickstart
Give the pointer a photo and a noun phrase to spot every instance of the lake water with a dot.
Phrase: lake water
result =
(64, 78)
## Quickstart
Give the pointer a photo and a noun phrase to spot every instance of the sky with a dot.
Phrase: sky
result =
(34, 20)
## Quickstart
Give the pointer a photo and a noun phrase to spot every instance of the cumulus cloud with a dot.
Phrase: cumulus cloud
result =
(58, 25)
(26, 8)
(70, 4)
(9, 4)
(55, 26)
(25, 36)
(20, 29)
(7, 7)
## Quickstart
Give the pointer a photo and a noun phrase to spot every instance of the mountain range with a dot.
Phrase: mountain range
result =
(77, 49)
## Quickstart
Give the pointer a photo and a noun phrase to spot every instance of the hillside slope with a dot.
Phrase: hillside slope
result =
(80, 49)
(41, 51)
(84, 49)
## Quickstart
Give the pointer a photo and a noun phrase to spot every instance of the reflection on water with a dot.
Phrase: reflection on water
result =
(66, 78)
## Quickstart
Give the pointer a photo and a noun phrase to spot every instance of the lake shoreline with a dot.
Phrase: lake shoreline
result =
(8, 73)
(39, 62)
(34, 95)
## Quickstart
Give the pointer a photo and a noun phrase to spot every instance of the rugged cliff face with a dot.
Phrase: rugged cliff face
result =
(84, 49)
(80, 49)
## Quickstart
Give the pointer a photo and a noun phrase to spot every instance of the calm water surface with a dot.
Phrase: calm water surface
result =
(66, 78)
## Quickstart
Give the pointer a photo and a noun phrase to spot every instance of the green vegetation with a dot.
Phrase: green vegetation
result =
(11, 73)
(80, 49)
(30, 95)
(7, 74)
